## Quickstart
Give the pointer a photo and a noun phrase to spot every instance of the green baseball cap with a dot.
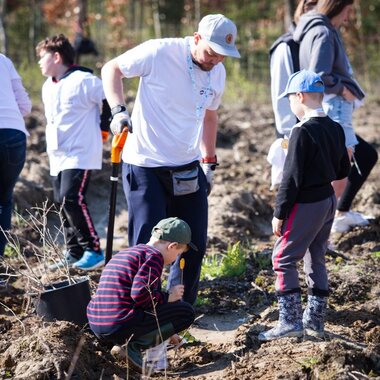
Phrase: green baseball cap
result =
(174, 230)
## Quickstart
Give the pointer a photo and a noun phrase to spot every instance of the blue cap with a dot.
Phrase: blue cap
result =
(220, 33)
(303, 81)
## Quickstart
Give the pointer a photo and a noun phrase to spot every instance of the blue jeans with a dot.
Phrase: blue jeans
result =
(12, 159)
(340, 110)
(149, 202)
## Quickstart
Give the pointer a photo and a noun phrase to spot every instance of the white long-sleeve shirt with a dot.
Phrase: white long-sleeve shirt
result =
(14, 100)
(281, 68)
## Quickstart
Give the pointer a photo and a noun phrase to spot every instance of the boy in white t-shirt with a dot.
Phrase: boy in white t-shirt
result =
(73, 97)
(169, 159)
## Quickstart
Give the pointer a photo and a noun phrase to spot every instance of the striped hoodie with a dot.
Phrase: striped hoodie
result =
(129, 282)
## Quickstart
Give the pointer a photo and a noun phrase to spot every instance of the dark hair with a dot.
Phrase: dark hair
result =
(332, 8)
(58, 44)
(304, 6)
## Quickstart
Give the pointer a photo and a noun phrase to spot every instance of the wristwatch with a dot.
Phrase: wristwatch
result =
(212, 161)
(117, 109)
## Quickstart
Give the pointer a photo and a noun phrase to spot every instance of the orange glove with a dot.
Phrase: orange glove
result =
(105, 136)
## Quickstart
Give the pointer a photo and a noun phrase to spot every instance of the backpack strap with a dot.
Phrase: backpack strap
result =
(293, 46)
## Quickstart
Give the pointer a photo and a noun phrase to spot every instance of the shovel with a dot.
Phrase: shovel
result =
(118, 142)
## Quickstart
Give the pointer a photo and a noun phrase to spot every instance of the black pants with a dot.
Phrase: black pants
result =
(366, 158)
(70, 187)
(180, 314)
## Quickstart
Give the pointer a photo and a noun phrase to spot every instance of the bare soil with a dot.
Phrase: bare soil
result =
(237, 309)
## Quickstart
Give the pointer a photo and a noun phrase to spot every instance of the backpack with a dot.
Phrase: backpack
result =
(293, 46)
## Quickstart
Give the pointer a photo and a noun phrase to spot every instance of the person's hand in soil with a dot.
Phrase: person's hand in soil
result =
(176, 293)
(276, 226)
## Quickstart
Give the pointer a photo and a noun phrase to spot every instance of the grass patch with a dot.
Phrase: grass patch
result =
(203, 301)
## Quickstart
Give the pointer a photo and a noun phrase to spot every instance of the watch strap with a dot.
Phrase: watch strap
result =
(117, 109)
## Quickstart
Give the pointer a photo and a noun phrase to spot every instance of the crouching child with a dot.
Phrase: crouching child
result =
(129, 307)
(305, 209)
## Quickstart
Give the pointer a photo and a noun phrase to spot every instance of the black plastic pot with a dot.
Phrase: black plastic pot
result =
(65, 301)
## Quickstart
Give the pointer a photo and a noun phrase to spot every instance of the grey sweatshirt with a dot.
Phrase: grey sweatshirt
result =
(322, 51)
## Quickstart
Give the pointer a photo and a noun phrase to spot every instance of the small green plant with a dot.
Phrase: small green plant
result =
(309, 363)
(233, 263)
(211, 266)
(202, 301)
(376, 255)
(9, 252)
(260, 280)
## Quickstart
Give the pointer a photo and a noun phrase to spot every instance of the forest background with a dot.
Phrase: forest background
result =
(106, 28)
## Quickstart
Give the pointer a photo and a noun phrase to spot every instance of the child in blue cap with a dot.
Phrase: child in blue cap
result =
(305, 208)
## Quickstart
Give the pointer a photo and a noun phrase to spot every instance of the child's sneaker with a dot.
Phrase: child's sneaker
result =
(90, 260)
(66, 261)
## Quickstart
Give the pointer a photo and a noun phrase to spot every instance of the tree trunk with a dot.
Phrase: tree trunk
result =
(289, 8)
(197, 13)
(34, 27)
(156, 18)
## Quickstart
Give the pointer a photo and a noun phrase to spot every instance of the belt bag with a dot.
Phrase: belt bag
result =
(179, 180)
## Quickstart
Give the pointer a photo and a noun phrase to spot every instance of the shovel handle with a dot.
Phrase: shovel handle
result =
(117, 146)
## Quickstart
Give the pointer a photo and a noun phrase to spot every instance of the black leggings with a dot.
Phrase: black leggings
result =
(180, 314)
(366, 157)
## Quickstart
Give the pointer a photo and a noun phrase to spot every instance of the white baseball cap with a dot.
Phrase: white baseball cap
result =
(220, 33)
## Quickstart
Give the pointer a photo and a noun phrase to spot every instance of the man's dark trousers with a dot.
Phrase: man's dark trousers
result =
(149, 202)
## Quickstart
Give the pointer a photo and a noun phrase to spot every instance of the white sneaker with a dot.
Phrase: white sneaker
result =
(346, 221)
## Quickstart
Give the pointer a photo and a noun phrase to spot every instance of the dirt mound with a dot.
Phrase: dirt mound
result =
(38, 350)
(231, 311)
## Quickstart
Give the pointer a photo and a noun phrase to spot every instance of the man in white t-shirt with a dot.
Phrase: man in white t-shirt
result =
(73, 98)
(169, 159)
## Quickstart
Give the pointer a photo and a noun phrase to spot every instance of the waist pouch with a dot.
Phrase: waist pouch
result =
(179, 180)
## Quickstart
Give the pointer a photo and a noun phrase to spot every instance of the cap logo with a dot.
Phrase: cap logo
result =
(159, 231)
(229, 38)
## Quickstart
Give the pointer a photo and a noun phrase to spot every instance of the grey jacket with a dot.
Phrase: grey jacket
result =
(322, 51)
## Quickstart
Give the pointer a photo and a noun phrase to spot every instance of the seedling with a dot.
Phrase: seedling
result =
(231, 264)
(309, 363)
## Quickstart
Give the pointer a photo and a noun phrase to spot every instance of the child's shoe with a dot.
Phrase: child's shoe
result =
(290, 319)
(130, 354)
(90, 260)
(314, 315)
(66, 261)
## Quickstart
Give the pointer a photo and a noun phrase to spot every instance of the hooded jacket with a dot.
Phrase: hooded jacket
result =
(322, 51)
